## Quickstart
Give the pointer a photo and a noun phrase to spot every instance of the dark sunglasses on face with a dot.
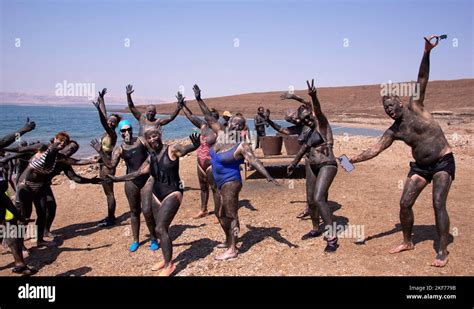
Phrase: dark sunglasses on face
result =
(126, 130)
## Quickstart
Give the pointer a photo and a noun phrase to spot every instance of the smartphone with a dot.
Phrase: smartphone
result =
(348, 166)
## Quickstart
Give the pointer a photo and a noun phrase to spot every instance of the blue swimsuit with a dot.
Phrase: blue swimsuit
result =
(225, 167)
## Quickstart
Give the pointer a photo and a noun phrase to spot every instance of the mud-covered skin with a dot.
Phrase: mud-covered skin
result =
(415, 126)
(10, 138)
(296, 129)
(163, 210)
(204, 169)
(148, 121)
(108, 141)
(32, 185)
(321, 158)
(227, 214)
(48, 195)
(135, 190)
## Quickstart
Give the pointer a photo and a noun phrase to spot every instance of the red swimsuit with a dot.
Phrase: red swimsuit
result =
(203, 153)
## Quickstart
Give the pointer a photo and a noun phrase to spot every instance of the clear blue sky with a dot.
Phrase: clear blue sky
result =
(175, 43)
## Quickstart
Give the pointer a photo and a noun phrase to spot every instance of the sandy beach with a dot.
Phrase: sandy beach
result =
(270, 238)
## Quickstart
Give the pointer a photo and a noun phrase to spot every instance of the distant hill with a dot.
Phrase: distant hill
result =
(43, 99)
(449, 96)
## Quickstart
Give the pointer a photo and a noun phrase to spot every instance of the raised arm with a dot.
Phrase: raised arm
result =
(292, 96)
(188, 113)
(178, 150)
(246, 151)
(383, 143)
(316, 105)
(283, 130)
(101, 101)
(143, 170)
(85, 161)
(10, 138)
(211, 121)
(165, 120)
(116, 154)
(424, 72)
(103, 120)
(136, 113)
(195, 120)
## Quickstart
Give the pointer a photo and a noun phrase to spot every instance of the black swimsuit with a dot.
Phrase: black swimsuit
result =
(166, 174)
(134, 158)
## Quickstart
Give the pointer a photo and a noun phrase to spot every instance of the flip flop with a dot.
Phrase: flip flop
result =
(166, 272)
(158, 266)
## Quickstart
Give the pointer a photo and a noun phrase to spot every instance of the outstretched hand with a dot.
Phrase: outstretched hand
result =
(311, 89)
(129, 89)
(195, 139)
(287, 96)
(102, 93)
(96, 145)
(197, 92)
(428, 45)
(181, 99)
(290, 169)
(29, 125)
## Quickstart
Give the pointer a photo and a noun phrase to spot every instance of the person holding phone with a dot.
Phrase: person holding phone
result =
(434, 160)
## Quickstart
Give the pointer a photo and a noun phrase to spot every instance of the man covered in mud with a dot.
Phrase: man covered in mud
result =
(434, 160)
(260, 124)
(149, 120)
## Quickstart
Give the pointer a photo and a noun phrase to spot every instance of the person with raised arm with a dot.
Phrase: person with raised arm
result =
(434, 160)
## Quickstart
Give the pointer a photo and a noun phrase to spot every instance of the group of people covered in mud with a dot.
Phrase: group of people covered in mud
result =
(153, 185)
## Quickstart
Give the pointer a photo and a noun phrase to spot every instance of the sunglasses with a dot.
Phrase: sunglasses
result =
(126, 130)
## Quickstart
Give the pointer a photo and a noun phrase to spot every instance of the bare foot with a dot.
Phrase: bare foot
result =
(216, 221)
(201, 214)
(166, 272)
(26, 253)
(229, 254)
(441, 260)
(403, 247)
(158, 266)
